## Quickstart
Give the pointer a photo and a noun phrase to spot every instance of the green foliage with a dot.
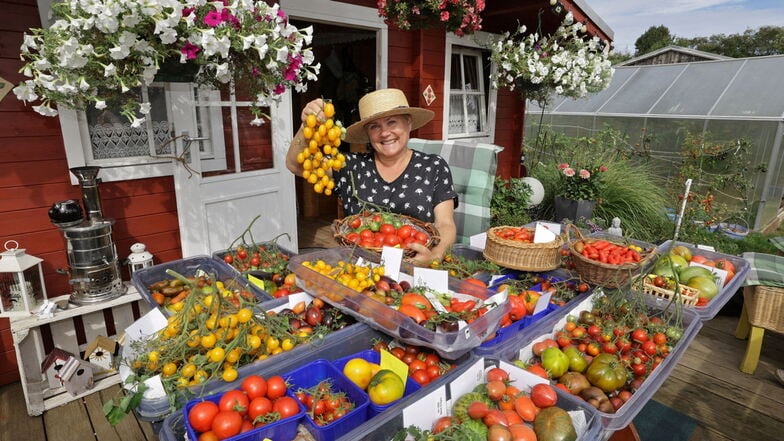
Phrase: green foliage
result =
(767, 40)
(509, 205)
(656, 37)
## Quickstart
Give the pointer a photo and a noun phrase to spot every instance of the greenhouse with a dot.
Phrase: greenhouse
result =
(660, 108)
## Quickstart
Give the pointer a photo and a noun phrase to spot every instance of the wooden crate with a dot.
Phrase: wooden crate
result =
(70, 330)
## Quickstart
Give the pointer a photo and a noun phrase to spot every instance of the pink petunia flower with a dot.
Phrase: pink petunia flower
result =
(585, 174)
(279, 89)
(190, 50)
(568, 171)
(213, 19)
(562, 166)
(602, 169)
(444, 15)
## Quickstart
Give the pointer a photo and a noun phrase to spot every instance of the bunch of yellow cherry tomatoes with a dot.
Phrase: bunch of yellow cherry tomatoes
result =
(321, 153)
(352, 275)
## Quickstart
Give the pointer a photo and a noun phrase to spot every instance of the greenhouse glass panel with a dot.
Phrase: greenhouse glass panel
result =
(756, 91)
(666, 138)
(640, 93)
(697, 89)
(632, 130)
(593, 102)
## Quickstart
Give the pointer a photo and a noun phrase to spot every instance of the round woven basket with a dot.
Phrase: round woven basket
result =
(599, 273)
(520, 255)
(341, 228)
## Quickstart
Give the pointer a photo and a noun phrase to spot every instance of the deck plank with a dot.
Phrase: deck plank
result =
(14, 419)
(126, 430)
(68, 422)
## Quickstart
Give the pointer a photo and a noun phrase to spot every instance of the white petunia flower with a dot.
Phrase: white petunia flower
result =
(45, 110)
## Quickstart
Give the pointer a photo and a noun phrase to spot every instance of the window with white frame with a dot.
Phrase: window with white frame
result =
(468, 94)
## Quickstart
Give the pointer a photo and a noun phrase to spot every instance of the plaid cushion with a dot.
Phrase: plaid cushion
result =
(765, 269)
(778, 242)
(473, 173)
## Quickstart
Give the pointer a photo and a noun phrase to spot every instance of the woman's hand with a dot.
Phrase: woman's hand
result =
(315, 107)
(298, 142)
(424, 256)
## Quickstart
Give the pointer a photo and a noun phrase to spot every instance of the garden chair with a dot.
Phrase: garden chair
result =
(763, 305)
(473, 173)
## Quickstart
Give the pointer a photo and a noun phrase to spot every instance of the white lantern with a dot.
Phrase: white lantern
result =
(22, 288)
(139, 257)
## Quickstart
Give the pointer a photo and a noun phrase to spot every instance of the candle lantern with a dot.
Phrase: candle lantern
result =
(139, 258)
(22, 288)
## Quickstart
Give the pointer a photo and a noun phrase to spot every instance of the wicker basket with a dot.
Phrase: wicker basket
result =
(599, 273)
(689, 296)
(522, 256)
(341, 228)
(765, 306)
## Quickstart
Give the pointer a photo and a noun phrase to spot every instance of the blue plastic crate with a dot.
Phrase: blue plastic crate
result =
(189, 267)
(375, 357)
(283, 429)
(313, 373)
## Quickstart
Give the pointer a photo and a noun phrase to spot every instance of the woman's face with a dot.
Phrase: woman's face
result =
(389, 135)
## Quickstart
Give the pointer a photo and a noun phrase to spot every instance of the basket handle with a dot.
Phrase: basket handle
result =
(572, 228)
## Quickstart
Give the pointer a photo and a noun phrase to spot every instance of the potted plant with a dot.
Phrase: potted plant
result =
(458, 16)
(565, 62)
(95, 53)
(579, 189)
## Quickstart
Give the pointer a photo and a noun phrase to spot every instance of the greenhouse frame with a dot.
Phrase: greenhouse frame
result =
(660, 105)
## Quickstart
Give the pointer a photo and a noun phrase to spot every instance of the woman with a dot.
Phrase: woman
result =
(391, 174)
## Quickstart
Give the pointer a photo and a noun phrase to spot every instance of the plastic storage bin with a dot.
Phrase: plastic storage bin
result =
(713, 307)
(520, 347)
(189, 267)
(423, 409)
(449, 345)
(284, 429)
(375, 357)
(310, 375)
(344, 342)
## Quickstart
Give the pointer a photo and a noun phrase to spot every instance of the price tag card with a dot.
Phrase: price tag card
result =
(542, 303)
(437, 280)
(394, 364)
(478, 241)
(542, 234)
(391, 258)
(258, 283)
(552, 226)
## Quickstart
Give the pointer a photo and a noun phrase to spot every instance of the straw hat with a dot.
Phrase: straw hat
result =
(380, 104)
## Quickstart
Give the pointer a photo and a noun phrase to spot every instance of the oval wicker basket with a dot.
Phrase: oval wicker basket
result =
(599, 273)
(341, 228)
(520, 255)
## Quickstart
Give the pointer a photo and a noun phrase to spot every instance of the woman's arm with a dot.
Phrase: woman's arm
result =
(447, 231)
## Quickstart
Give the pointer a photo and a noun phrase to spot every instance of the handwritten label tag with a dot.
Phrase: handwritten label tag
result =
(542, 234)
(437, 280)
(552, 226)
(394, 364)
(391, 258)
(141, 329)
(478, 241)
(542, 303)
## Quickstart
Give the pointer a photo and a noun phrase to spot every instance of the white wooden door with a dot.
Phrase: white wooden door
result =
(216, 208)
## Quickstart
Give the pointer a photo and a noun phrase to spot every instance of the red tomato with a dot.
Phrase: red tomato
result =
(353, 237)
(421, 237)
(228, 259)
(286, 407)
(521, 432)
(254, 386)
(417, 365)
(444, 423)
(260, 406)
(433, 372)
(543, 395)
(421, 377)
(366, 234)
(525, 408)
(387, 229)
(201, 415)
(227, 424)
(538, 370)
(355, 223)
(391, 239)
(235, 400)
(405, 231)
(276, 387)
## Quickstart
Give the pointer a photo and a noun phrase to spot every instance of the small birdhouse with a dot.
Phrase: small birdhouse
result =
(22, 288)
(101, 352)
(53, 364)
(139, 258)
(77, 376)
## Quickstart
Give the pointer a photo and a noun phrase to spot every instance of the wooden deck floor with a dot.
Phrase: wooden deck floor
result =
(706, 385)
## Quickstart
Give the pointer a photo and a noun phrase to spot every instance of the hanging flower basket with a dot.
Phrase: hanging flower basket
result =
(95, 53)
(458, 16)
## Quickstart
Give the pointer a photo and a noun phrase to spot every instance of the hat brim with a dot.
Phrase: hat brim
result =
(356, 133)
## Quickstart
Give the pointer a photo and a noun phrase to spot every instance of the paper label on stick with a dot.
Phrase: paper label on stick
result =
(391, 258)
(542, 303)
(437, 280)
(478, 241)
(542, 234)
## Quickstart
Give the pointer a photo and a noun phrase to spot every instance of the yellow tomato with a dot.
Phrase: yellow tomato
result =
(208, 341)
(310, 120)
(359, 371)
(169, 369)
(329, 109)
(188, 370)
(272, 343)
(229, 375)
(385, 387)
(153, 356)
(234, 355)
(216, 354)
(287, 344)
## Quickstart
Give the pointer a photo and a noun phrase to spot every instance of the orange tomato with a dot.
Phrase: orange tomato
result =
(417, 300)
(412, 311)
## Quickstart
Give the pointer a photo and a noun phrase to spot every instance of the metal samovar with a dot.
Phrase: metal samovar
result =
(92, 256)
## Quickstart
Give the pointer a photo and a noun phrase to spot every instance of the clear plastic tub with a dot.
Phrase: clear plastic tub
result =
(422, 409)
(189, 267)
(284, 429)
(713, 307)
(310, 375)
(449, 345)
(375, 357)
(259, 273)
(344, 342)
(521, 347)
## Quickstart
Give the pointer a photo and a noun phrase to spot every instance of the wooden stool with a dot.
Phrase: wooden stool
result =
(763, 308)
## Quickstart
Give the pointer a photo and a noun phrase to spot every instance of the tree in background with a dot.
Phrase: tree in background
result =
(656, 37)
(767, 40)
